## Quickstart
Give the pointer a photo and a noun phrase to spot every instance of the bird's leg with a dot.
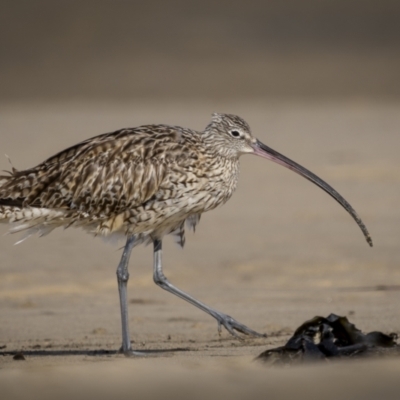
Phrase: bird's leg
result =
(227, 321)
(123, 277)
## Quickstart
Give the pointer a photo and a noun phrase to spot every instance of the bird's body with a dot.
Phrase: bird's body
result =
(141, 183)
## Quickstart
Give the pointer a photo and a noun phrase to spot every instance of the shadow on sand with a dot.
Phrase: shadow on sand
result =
(18, 354)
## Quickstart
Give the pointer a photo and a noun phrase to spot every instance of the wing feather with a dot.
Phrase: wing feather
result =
(100, 176)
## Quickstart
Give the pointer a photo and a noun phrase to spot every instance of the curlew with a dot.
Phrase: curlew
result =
(142, 183)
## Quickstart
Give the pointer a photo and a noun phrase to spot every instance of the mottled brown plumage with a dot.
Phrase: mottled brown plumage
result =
(142, 183)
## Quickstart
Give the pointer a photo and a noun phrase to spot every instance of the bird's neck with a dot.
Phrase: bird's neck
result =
(222, 163)
(217, 149)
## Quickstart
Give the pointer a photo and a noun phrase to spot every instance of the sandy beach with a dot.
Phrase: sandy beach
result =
(278, 253)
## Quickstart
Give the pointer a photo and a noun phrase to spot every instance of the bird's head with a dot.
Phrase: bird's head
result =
(232, 137)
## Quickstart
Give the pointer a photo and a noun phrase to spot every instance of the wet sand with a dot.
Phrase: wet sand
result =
(278, 253)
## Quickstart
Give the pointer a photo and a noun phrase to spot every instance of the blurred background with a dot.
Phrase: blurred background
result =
(120, 49)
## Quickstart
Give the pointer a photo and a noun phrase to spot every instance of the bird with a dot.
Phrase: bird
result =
(141, 184)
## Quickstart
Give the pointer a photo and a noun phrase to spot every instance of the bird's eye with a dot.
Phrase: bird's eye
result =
(235, 133)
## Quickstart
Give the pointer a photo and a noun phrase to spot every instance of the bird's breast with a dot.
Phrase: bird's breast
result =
(222, 180)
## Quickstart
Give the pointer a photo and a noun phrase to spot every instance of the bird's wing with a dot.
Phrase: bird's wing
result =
(105, 174)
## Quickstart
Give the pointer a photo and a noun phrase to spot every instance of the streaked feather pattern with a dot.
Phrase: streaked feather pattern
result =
(144, 181)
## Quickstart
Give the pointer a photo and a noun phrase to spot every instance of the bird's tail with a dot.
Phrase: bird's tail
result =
(30, 220)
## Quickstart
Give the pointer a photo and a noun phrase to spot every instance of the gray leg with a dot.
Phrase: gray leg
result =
(228, 322)
(123, 277)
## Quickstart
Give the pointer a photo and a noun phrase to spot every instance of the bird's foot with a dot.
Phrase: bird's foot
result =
(233, 326)
(131, 353)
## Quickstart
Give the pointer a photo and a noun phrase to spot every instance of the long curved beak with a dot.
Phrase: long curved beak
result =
(262, 150)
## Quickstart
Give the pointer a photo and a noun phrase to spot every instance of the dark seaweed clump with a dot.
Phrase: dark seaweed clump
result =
(332, 337)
